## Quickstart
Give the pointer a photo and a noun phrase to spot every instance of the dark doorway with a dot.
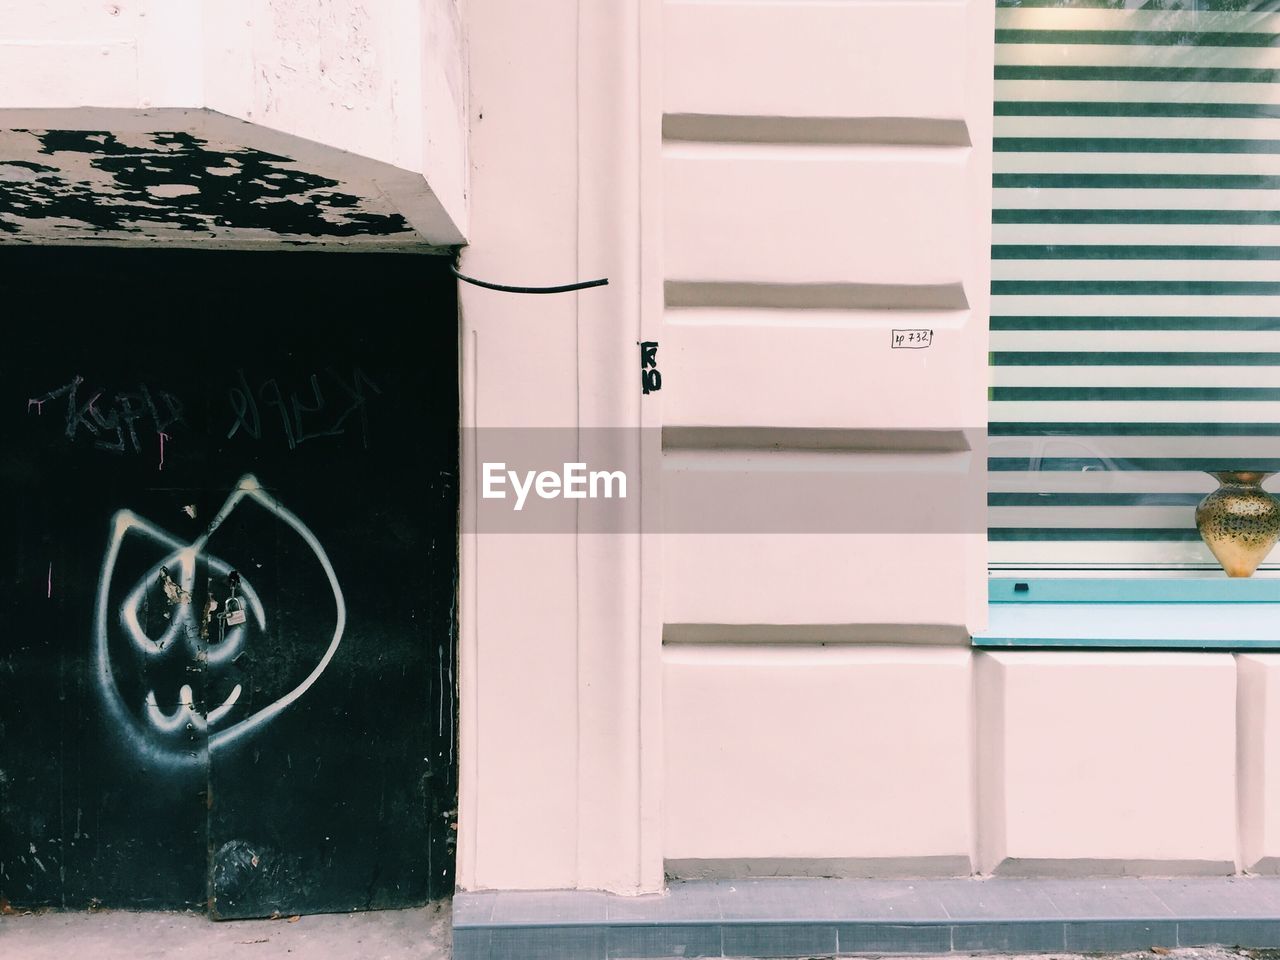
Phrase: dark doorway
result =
(227, 645)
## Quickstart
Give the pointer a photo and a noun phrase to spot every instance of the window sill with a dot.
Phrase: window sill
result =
(1135, 614)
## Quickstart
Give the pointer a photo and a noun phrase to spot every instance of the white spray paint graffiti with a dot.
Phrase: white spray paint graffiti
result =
(149, 730)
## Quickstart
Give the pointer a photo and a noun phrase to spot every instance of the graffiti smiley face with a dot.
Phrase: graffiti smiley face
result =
(155, 637)
(182, 624)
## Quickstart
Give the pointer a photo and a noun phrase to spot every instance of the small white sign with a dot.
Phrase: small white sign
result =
(911, 339)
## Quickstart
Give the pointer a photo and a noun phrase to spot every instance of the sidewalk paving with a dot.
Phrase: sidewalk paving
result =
(421, 934)
(813, 916)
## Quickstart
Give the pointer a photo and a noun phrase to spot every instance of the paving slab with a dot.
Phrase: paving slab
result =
(421, 934)
(822, 917)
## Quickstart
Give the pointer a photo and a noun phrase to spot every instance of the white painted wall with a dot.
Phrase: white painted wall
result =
(131, 53)
(384, 80)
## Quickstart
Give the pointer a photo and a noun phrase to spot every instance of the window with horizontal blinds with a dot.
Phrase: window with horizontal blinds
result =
(1135, 328)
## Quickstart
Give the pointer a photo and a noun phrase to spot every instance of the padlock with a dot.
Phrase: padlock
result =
(233, 612)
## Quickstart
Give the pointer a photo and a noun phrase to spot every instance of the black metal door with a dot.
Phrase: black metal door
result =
(226, 658)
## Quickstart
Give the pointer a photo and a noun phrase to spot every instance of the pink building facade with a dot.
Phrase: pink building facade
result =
(777, 192)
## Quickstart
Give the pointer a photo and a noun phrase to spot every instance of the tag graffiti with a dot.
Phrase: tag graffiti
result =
(304, 416)
(113, 419)
(650, 378)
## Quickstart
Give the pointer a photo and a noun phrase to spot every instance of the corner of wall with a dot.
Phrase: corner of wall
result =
(446, 111)
(990, 826)
(1251, 708)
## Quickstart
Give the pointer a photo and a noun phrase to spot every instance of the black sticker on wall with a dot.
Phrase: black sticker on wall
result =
(650, 378)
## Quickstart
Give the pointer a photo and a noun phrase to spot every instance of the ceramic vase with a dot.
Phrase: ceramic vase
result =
(1239, 521)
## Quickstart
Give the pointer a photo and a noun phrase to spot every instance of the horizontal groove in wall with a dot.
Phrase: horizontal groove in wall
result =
(939, 634)
(812, 319)
(816, 296)
(814, 655)
(929, 155)
(897, 131)
(815, 439)
(764, 463)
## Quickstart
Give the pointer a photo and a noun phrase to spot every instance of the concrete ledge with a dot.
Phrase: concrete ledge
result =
(882, 868)
(1094, 868)
(815, 917)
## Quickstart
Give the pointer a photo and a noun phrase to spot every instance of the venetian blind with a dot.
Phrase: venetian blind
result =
(1135, 329)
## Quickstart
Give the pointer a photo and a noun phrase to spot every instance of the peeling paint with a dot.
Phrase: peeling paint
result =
(174, 592)
(73, 182)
